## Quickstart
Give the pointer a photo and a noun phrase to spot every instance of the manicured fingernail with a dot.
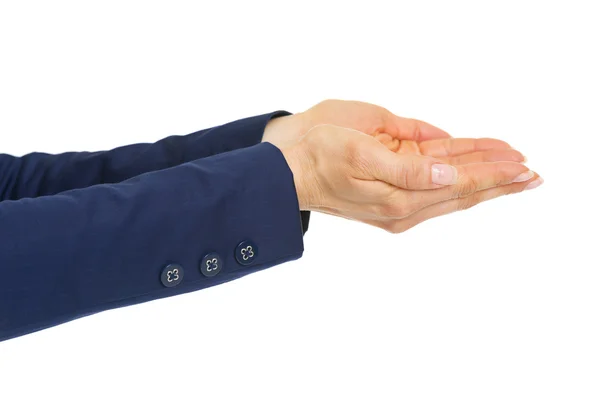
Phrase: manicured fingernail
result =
(535, 183)
(523, 177)
(443, 174)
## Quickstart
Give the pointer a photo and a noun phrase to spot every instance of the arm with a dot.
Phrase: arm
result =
(107, 246)
(38, 174)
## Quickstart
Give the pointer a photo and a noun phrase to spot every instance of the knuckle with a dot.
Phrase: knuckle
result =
(400, 205)
(386, 210)
(455, 160)
(400, 174)
(508, 190)
(417, 134)
(448, 145)
(465, 187)
(463, 204)
(469, 202)
(357, 157)
(353, 152)
(411, 173)
(393, 210)
(411, 203)
(499, 178)
(513, 189)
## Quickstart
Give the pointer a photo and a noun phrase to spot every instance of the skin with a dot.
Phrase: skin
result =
(361, 162)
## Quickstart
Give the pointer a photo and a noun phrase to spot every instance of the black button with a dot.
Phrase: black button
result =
(246, 252)
(172, 275)
(211, 265)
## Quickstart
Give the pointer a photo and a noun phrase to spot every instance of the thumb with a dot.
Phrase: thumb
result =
(411, 171)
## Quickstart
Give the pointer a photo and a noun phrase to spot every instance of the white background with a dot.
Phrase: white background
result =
(494, 310)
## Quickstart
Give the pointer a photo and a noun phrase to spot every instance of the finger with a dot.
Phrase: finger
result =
(460, 146)
(414, 129)
(450, 206)
(471, 179)
(390, 142)
(408, 147)
(485, 156)
(400, 146)
(408, 171)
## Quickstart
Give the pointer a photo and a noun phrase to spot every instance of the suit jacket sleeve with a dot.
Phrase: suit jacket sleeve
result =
(87, 250)
(39, 174)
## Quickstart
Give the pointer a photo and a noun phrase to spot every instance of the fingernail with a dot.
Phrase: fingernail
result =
(524, 159)
(523, 177)
(535, 183)
(443, 174)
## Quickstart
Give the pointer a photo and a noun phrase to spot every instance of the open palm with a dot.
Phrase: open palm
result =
(407, 135)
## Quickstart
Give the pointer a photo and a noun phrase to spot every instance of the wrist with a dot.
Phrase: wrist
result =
(297, 163)
(285, 131)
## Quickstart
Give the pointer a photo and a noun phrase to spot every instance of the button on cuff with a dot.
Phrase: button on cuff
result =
(211, 265)
(172, 275)
(246, 252)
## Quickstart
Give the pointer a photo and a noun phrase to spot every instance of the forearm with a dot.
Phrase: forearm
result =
(38, 174)
(106, 246)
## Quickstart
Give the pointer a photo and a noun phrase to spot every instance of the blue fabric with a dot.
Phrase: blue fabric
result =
(40, 174)
(85, 232)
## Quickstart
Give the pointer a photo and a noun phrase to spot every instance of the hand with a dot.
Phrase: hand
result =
(351, 174)
(398, 134)
(367, 118)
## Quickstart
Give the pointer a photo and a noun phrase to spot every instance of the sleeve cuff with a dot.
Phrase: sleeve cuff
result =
(242, 133)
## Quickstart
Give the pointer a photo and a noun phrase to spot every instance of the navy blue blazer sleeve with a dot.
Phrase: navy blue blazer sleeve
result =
(39, 174)
(90, 249)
